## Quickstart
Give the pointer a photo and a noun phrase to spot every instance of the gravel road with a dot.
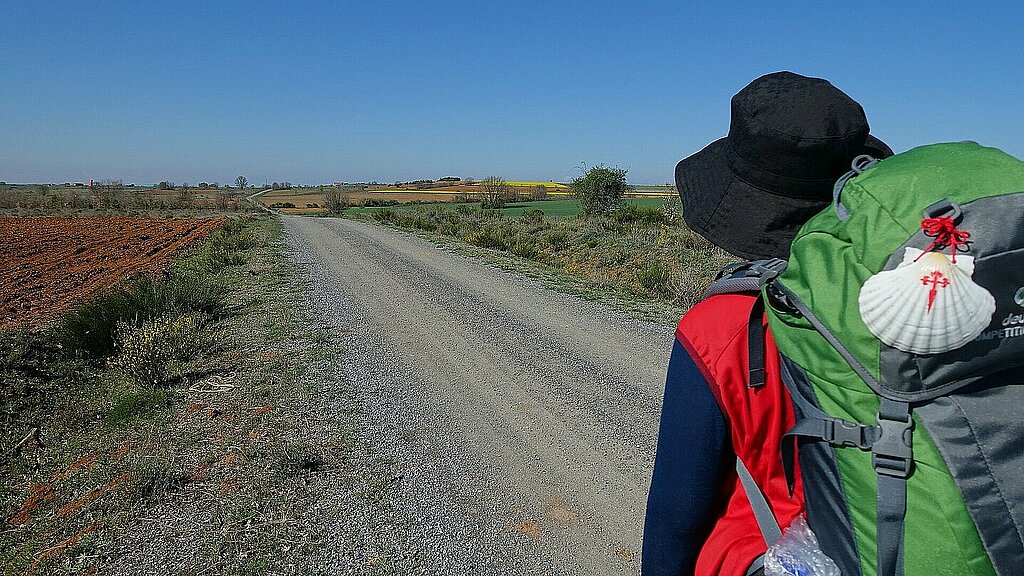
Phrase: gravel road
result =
(519, 423)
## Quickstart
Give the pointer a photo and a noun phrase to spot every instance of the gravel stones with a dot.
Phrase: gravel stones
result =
(500, 428)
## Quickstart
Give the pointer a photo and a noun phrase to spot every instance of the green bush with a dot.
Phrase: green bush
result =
(641, 214)
(532, 216)
(557, 239)
(525, 246)
(601, 189)
(424, 223)
(384, 216)
(228, 246)
(449, 229)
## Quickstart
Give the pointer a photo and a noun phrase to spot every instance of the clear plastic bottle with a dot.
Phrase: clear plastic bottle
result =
(796, 553)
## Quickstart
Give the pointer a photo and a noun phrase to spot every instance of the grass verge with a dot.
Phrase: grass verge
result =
(560, 208)
(639, 257)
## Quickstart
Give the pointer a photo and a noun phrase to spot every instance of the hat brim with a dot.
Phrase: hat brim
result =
(877, 148)
(739, 217)
(732, 214)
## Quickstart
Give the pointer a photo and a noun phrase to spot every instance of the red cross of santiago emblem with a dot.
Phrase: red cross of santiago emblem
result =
(936, 280)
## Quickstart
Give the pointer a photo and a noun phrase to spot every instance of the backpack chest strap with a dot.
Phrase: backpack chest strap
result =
(890, 442)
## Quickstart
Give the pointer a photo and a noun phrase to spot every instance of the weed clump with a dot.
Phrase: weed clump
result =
(227, 246)
(157, 351)
(532, 216)
(525, 247)
(655, 279)
(631, 213)
(91, 330)
(486, 238)
(193, 286)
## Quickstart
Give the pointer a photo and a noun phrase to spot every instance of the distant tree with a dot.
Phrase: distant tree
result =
(494, 192)
(601, 189)
(185, 194)
(165, 185)
(538, 193)
(336, 199)
(222, 199)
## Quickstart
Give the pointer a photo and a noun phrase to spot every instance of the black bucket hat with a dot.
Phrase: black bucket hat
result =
(790, 138)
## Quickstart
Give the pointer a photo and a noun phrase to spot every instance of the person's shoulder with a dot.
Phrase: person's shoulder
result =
(714, 323)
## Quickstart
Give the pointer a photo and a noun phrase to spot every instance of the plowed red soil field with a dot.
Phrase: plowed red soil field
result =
(49, 264)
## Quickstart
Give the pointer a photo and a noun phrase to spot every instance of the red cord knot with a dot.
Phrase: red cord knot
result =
(945, 234)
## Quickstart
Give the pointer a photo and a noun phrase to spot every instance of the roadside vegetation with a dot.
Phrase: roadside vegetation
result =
(554, 208)
(172, 394)
(114, 197)
(632, 251)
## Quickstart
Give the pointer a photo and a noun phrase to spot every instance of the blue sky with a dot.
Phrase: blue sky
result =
(387, 90)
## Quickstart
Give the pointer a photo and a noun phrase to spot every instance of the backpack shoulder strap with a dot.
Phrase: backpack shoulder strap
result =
(743, 277)
(766, 521)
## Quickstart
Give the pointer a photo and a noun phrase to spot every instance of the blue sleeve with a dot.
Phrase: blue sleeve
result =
(693, 452)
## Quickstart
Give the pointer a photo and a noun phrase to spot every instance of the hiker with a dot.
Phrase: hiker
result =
(790, 139)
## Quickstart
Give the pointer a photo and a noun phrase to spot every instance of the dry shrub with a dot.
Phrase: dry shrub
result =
(157, 351)
(336, 200)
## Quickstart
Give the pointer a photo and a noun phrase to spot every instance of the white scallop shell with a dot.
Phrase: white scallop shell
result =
(926, 306)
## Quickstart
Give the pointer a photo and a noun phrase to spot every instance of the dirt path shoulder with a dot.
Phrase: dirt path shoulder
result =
(248, 464)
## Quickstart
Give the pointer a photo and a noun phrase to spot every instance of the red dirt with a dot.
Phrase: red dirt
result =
(47, 264)
(84, 463)
(73, 507)
(58, 548)
(37, 494)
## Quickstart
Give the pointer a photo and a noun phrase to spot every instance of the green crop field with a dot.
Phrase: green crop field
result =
(553, 208)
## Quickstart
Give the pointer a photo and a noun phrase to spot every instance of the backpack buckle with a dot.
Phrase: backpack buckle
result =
(892, 450)
(768, 270)
(839, 432)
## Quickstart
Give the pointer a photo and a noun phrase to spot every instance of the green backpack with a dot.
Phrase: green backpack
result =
(912, 459)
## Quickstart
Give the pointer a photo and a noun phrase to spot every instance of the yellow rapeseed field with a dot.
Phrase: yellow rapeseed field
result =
(553, 185)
